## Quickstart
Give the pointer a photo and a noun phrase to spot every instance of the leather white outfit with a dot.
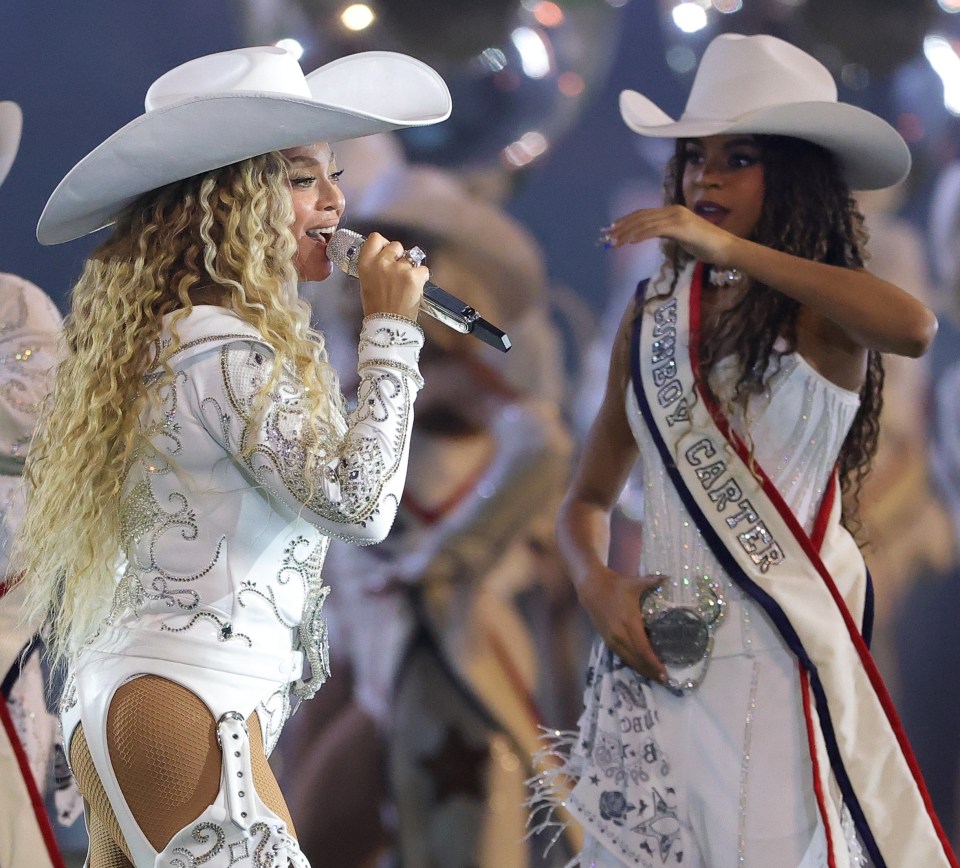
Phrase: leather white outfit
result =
(224, 535)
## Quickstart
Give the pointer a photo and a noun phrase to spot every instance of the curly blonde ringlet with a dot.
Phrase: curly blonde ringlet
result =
(228, 229)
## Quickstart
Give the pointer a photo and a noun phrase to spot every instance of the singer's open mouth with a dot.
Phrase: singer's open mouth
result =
(318, 233)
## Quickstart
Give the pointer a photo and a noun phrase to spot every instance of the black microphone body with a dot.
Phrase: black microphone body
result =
(343, 250)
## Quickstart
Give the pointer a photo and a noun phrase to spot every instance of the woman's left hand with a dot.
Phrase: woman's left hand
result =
(697, 236)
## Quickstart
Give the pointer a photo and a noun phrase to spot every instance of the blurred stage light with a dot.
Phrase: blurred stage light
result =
(571, 84)
(855, 76)
(526, 149)
(492, 59)
(548, 13)
(508, 72)
(358, 16)
(882, 35)
(681, 59)
(943, 58)
(910, 126)
(950, 6)
(534, 52)
(291, 46)
(728, 7)
(689, 16)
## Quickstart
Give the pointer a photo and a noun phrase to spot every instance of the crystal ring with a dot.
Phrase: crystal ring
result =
(414, 256)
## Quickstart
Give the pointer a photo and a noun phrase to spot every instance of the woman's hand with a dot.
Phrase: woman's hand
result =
(697, 236)
(389, 283)
(612, 601)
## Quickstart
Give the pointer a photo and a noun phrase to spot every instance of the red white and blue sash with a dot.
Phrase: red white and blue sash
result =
(814, 588)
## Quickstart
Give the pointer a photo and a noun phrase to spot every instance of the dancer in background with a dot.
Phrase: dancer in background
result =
(928, 656)
(196, 459)
(449, 629)
(734, 715)
(905, 525)
(29, 329)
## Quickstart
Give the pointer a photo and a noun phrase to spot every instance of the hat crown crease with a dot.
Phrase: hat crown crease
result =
(253, 70)
(742, 76)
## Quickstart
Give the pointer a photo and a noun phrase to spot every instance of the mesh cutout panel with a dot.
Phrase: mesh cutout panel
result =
(105, 851)
(162, 743)
(163, 747)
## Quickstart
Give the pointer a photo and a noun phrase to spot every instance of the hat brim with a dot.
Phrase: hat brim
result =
(200, 134)
(872, 154)
(11, 126)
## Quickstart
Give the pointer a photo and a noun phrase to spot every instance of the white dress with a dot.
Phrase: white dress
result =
(224, 531)
(720, 774)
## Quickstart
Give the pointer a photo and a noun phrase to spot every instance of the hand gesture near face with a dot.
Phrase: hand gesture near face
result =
(700, 238)
(722, 193)
(389, 282)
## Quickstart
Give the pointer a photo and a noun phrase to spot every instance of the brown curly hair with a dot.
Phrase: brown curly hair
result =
(813, 215)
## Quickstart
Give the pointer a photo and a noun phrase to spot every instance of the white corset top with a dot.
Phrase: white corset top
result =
(795, 429)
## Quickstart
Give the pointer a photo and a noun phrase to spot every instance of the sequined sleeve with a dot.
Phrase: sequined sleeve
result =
(352, 491)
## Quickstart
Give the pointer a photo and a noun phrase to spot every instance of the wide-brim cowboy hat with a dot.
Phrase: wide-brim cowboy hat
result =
(763, 85)
(223, 108)
(11, 125)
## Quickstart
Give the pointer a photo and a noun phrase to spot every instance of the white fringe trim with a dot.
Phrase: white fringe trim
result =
(558, 770)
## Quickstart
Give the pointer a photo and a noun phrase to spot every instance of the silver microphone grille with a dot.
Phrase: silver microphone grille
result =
(343, 248)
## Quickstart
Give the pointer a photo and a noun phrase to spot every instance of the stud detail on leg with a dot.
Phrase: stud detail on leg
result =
(237, 773)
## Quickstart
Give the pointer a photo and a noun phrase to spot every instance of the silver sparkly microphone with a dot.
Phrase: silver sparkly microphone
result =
(343, 249)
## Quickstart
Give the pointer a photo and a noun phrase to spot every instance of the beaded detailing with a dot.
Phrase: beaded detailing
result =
(340, 483)
(219, 846)
(273, 713)
(143, 518)
(745, 761)
(311, 629)
(395, 335)
(145, 522)
(858, 859)
(387, 337)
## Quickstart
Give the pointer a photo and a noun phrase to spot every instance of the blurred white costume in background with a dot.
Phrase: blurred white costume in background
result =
(928, 656)
(29, 329)
(444, 657)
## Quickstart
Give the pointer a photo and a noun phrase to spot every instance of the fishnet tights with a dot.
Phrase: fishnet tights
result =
(162, 744)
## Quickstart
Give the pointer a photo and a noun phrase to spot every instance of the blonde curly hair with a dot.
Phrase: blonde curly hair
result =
(228, 230)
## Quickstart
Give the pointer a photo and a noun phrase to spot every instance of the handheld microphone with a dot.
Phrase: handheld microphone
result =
(343, 249)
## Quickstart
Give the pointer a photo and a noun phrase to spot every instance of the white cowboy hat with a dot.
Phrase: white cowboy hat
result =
(226, 107)
(761, 84)
(11, 124)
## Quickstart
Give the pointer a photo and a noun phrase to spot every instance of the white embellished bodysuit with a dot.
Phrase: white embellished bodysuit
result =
(224, 535)
(718, 775)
